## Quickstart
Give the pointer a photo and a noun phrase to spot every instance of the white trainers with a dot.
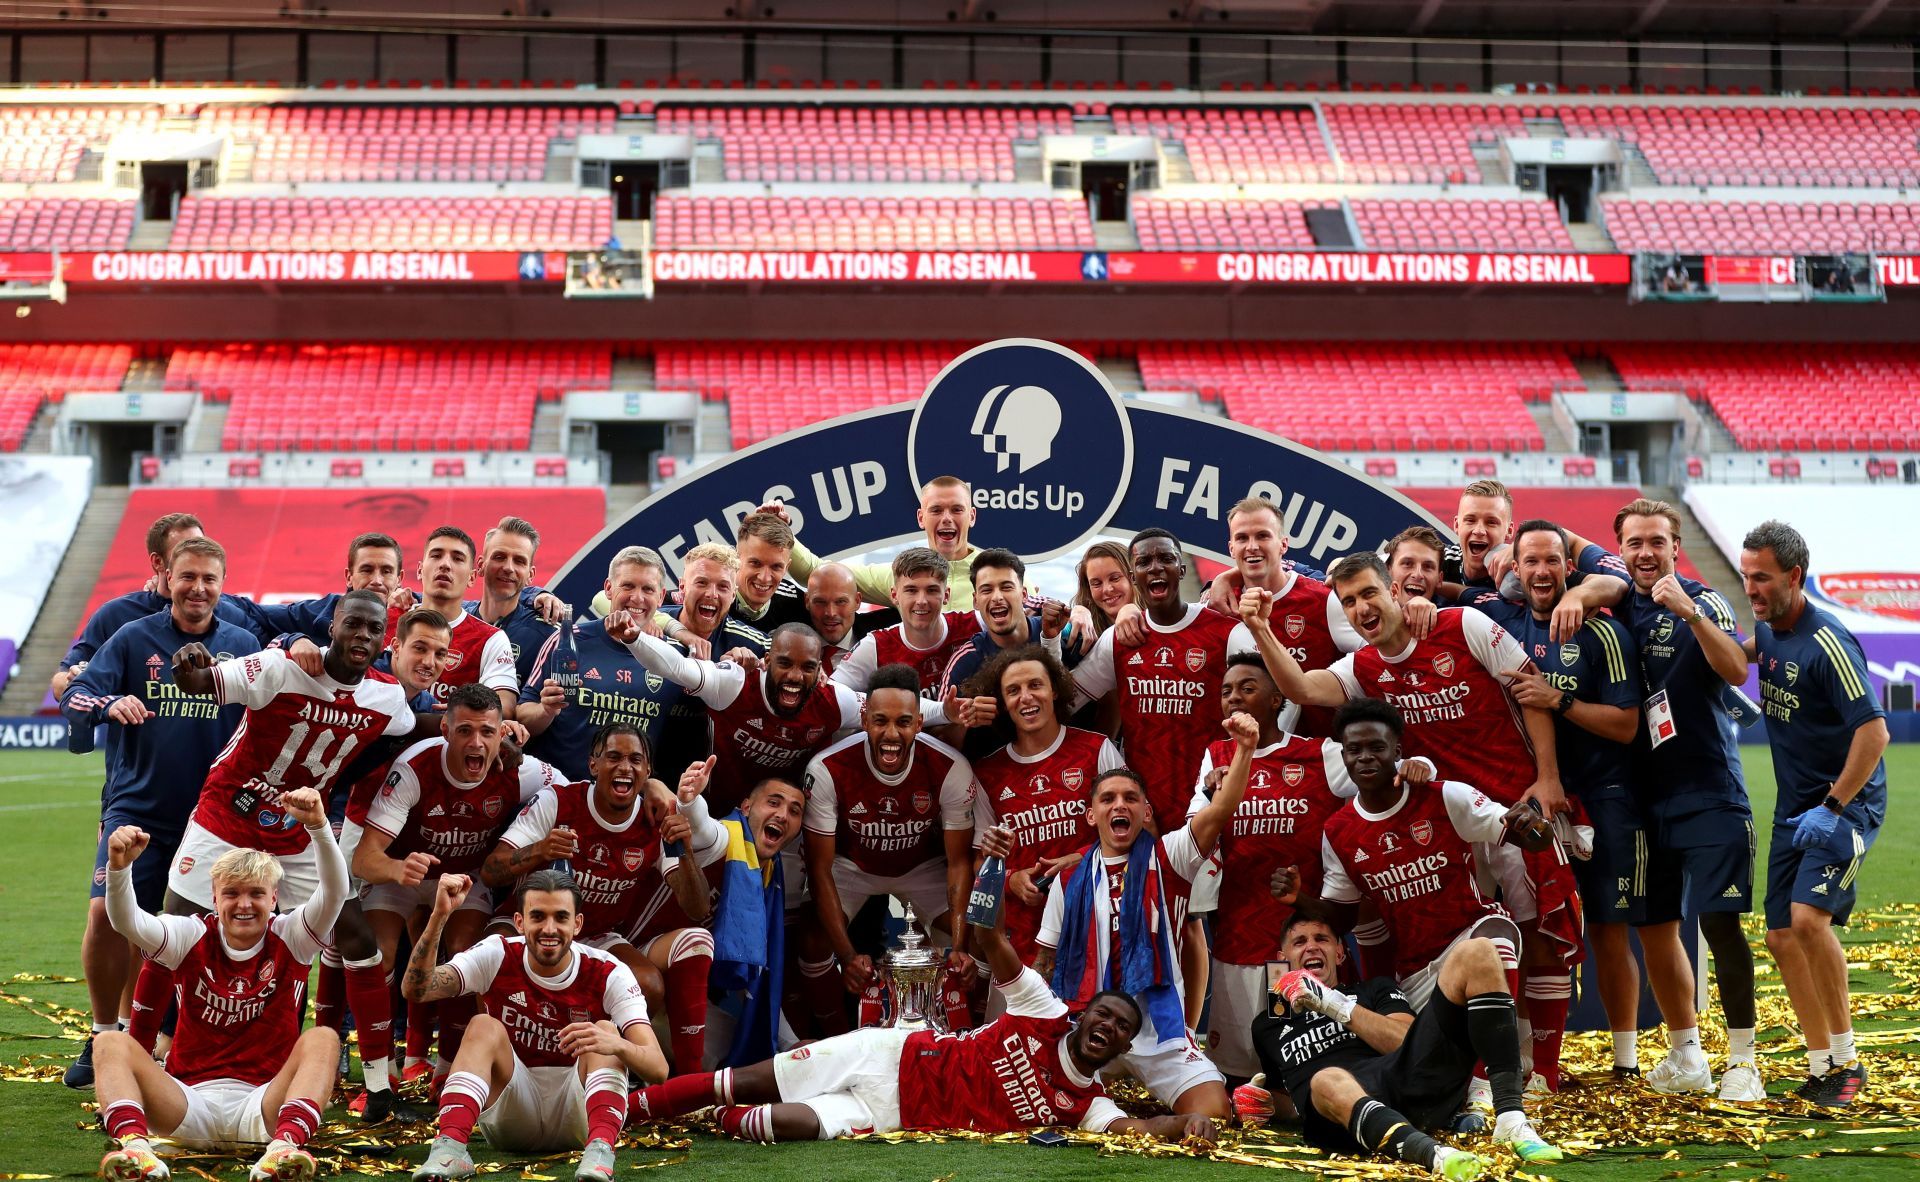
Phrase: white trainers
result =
(1742, 1084)
(284, 1162)
(1674, 1076)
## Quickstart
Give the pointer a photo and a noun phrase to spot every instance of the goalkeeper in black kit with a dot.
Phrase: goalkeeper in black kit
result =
(1367, 1075)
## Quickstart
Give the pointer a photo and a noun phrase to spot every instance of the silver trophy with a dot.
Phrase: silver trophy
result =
(913, 978)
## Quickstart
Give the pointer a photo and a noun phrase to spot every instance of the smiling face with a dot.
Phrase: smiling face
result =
(1249, 690)
(793, 672)
(473, 742)
(1370, 607)
(774, 813)
(1157, 571)
(1540, 559)
(832, 601)
(946, 514)
(419, 657)
(549, 920)
(1370, 751)
(446, 570)
(359, 629)
(374, 568)
(1312, 947)
(1482, 523)
(1026, 694)
(638, 588)
(1415, 569)
(509, 565)
(1109, 584)
(706, 595)
(891, 719)
(1104, 1032)
(193, 584)
(1119, 812)
(762, 566)
(1256, 543)
(618, 771)
(921, 598)
(244, 910)
(1001, 600)
(1649, 549)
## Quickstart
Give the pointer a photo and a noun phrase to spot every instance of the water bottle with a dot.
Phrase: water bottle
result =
(1739, 706)
(989, 893)
(566, 658)
(79, 736)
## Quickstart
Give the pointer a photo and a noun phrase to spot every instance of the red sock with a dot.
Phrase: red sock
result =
(152, 993)
(606, 1104)
(687, 965)
(826, 997)
(125, 1118)
(372, 1010)
(683, 1094)
(455, 1013)
(749, 1122)
(329, 992)
(420, 1028)
(460, 1104)
(1548, 993)
(299, 1120)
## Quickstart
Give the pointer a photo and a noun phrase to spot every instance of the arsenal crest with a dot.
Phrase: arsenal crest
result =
(1073, 778)
(1569, 653)
(1294, 625)
(922, 801)
(1422, 832)
(632, 857)
(1793, 672)
(491, 806)
(1443, 664)
(1663, 631)
(1196, 659)
(453, 662)
(1293, 773)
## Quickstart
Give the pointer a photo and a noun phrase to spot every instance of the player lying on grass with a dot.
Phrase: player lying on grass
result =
(1031, 1067)
(240, 1072)
(1367, 1075)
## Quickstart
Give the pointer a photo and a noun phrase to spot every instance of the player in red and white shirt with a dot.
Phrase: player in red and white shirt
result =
(299, 731)
(545, 1067)
(1098, 908)
(890, 811)
(1295, 785)
(767, 722)
(927, 635)
(1031, 1067)
(1036, 786)
(1168, 684)
(610, 831)
(481, 653)
(240, 1071)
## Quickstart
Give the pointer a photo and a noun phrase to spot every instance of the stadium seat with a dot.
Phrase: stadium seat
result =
(1775, 146)
(315, 142)
(393, 223)
(45, 144)
(872, 223)
(1763, 227)
(31, 375)
(877, 144)
(65, 223)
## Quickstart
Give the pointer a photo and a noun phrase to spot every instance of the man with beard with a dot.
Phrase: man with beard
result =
(833, 608)
(709, 585)
(1484, 523)
(1000, 599)
(545, 1067)
(159, 746)
(373, 564)
(506, 575)
(1694, 800)
(927, 635)
(1032, 1066)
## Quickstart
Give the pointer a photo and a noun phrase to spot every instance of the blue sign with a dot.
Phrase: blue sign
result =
(852, 484)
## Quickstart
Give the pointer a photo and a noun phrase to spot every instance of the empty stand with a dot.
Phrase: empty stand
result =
(393, 223)
(1791, 397)
(1246, 145)
(32, 374)
(384, 397)
(1212, 224)
(403, 143)
(872, 223)
(869, 144)
(1412, 397)
(1763, 227)
(1418, 143)
(41, 145)
(1825, 147)
(1525, 224)
(770, 389)
(65, 223)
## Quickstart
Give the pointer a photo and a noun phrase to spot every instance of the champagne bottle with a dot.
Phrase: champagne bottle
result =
(989, 893)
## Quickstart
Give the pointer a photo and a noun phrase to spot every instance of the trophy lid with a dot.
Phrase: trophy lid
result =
(912, 952)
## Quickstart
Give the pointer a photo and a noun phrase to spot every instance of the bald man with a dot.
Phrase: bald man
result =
(833, 607)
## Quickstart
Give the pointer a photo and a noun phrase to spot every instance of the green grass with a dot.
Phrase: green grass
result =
(48, 818)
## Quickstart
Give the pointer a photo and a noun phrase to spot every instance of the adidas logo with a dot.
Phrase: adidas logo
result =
(1034, 1044)
(593, 673)
(1135, 659)
(756, 724)
(1385, 678)
(1820, 889)
(436, 811)
(518, 997)
(858, 810)
(1733, 892)
(1359, 855)
(1006, 793)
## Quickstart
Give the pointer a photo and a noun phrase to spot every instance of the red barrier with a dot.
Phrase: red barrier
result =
(291, 543)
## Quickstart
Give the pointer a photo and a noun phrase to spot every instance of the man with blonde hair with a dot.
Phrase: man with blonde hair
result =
(240, 1072)
(946, 514)
(709, 586)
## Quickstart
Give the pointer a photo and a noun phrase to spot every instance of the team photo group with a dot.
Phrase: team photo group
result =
(1316, 849)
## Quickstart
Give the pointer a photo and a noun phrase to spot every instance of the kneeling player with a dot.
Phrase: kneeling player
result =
(240, 1072)
(1366, 1074)
(546, 1066)
(1033, 1066)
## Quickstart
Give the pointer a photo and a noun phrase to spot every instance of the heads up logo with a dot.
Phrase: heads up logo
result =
(1041, 439)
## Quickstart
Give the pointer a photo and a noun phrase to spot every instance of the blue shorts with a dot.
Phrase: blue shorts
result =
(1613, 883)
(1826, 876)
(149, 870)
(1700, 862)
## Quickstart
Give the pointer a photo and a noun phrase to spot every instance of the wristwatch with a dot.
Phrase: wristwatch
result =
(1566, 702)
(1834, 804)
(1696, 617)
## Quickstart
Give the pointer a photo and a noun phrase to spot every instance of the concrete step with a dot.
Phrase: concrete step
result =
(1714, 568)
(708, 165)
(1176, 166)
(1028, 166)
(146, 375)
(1550, 128)
(39, 440)
(713, 430)
(66, 601)
(1493, 164)
(1598, 374)
(1115, 236)
(632, 232)
(548, 418)
(1557, 439)
(1094, 125)
(1639, 172)
(1123, 373)
(1716, 436)
(1590, 237)
(634, 125)
(151, 235)
(633, 372)
(561, 157)
(622, 497)
(236, 165)
(208, 425)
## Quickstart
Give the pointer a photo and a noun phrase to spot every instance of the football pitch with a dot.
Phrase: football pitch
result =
(48, 817)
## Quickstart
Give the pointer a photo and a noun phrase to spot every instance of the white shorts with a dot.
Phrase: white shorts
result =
(405, 900)
(191, 878)
(349, 840)
(851, 1081)
(540, 1109)
(793, 874)
(1239, 996)
(221, 1113)
(1509, 868)
(1167, 1067)
(1205, 895)
(925, 887)
(1419, 985)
